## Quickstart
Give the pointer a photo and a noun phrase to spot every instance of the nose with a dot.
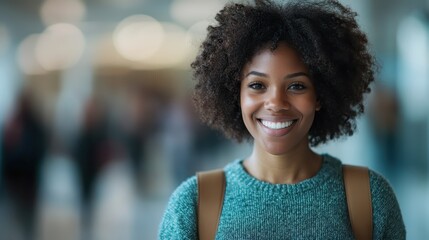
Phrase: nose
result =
(276, 100)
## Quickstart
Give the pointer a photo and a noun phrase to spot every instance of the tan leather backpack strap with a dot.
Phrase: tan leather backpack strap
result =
(358, 193)
(211, 189)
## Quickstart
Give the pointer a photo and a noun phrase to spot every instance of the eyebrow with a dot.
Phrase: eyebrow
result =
(292, 75)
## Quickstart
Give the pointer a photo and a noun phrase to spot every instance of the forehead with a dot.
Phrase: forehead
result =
(283, 58)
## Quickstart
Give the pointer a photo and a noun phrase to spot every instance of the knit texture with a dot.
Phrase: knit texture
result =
(315, 208)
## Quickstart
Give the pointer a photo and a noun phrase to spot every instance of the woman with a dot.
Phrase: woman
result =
(287, 77)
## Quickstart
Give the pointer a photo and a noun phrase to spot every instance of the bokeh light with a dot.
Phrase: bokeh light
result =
(172, 51)
(57, 11)
(138, 37)
(195, 36)
(188, 12)
(26, 56)
(60, 46)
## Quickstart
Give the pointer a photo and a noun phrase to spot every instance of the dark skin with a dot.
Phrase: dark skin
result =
(329, 42)
(278, 102)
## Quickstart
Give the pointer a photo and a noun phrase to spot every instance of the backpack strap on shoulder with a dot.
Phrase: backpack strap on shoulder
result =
(211, 188)
(358, 194)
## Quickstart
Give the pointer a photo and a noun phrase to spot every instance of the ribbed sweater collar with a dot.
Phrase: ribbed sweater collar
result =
(236, 174)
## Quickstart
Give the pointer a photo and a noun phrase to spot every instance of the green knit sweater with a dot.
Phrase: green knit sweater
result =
(315, 208)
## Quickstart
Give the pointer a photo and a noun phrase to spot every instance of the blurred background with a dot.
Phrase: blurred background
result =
(97, 126)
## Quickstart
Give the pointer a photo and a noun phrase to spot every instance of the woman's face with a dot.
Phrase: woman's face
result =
(278, 100)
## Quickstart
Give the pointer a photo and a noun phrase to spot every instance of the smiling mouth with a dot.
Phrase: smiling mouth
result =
(277, 125)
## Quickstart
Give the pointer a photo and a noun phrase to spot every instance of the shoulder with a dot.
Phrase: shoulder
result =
(179, 220)
(387, 217)
(186, 192)
(381, 190)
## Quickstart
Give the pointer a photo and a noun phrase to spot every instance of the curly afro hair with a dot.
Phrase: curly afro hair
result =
(324, 33)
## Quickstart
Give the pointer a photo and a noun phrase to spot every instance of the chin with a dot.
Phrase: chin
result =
(276, 149)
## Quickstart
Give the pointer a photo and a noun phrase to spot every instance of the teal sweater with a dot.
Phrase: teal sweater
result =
(315, 208)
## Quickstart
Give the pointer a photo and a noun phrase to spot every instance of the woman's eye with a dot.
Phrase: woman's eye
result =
(297, 87)
(256, 86)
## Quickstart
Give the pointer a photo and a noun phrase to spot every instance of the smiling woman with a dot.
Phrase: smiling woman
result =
(278, 100)
(287, 77)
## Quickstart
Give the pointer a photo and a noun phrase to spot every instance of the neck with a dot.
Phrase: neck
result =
(289, 168)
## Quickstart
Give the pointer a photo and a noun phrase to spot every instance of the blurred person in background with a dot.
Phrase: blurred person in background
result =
(138, 125)
(23, 146)
(188, 143)
(93, 150)
(179, 140)
(384, 112)
(287, 76)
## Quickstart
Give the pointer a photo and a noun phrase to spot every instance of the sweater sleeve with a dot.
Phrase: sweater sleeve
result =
(387, 217)
(179, 220)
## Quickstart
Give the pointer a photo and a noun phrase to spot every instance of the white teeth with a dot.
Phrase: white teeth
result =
(276, 125)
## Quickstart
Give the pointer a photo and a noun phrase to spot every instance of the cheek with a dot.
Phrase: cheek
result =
(248, 108)
(310, 112)
(243, 101)
(307, 106)
(248, 105)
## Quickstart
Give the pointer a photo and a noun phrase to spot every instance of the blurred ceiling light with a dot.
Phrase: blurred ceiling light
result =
(173, 50)
(188, 12)
(26, 56)
(60, 46)
(197, 33)
(138, 37)
(194, 38)
(4, 38)
(66, 11)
